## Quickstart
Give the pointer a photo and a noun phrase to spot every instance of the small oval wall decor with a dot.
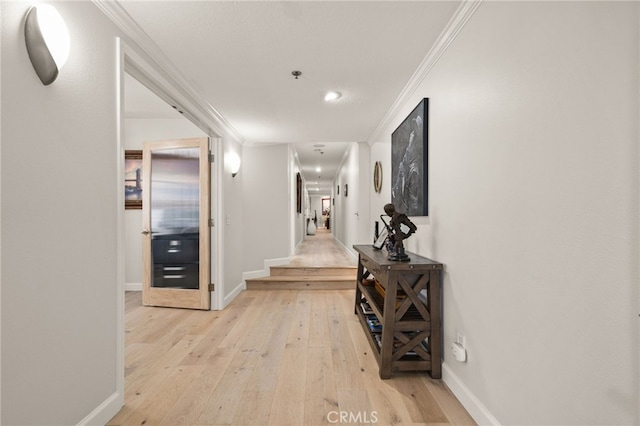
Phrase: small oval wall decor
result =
(377, 177)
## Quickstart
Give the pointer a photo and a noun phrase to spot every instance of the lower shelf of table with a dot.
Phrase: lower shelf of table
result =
(387, 366)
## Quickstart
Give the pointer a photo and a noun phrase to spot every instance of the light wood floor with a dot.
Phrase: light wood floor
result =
(272, 357)
(321, 250)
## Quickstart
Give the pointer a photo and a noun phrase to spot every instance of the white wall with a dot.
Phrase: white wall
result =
(136, 132)
(361, 189)
(234, 229)
(352, 218)
(266, 205)
(298, 220)
(382, 152)
(59, 232)
(534, 209)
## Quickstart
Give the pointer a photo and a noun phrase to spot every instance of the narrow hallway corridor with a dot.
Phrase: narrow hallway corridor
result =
(322, 249)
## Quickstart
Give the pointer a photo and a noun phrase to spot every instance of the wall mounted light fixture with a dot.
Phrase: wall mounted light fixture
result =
(233, 163)
(48, 42)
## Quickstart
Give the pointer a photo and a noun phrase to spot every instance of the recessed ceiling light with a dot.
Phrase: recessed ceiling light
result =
(319, 145)
(318, 169)
(332, 96)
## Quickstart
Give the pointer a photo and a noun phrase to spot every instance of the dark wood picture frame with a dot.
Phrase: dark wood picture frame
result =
(326, 205)
(409, 163)
(133, 179)
(298, 193)
(377, 177)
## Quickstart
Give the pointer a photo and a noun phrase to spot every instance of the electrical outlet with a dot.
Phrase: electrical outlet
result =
(460, 339)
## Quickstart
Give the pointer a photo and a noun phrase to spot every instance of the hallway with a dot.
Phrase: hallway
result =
(272, 357)
(322, 249)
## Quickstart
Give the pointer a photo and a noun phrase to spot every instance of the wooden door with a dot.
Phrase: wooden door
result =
(176, 233)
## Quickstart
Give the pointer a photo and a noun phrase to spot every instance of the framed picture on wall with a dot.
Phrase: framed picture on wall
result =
(298, 193)
(133, 179)
(409, 163)
(326, 206)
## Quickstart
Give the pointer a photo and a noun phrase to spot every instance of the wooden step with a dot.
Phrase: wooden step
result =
(299, 271)
(302, 282)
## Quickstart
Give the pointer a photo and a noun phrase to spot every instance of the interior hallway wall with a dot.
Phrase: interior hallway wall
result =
(265, 205)
(298, 221)
(59, 231)
(352, 216)
(233, 230)
(534, 209)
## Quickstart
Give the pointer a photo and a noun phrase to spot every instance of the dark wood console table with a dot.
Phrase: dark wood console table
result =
(399, 307)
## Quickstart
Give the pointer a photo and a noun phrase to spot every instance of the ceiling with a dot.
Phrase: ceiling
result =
(239, 56)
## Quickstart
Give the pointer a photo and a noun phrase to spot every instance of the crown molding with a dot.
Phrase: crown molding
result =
(454, 26)
(167, 76)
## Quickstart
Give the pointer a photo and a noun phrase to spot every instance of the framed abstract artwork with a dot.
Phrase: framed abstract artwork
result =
(298, 193)
(409, 163)
(133, 179)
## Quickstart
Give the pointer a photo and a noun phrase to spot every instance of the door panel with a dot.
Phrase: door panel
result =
(176, 238)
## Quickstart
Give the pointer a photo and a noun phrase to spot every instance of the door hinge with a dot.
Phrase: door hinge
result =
(212, 158)
(212, 222)
(212, 287)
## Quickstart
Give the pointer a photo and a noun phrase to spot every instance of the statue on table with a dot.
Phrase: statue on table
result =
(399, 229)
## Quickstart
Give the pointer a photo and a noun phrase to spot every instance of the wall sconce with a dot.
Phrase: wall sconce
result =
(48, 42)
(233, 163)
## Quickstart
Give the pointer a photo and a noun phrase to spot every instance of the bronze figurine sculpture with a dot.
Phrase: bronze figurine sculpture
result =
(399, 228)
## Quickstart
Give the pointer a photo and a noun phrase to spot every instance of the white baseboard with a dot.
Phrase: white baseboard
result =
(469, 401)
(105, 411)
(234, 293)
(268, 263)
(351, 253)
(132, 286)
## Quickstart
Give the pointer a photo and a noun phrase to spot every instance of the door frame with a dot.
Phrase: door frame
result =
(139, 63)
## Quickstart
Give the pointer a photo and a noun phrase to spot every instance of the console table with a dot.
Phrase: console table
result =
(399, 307)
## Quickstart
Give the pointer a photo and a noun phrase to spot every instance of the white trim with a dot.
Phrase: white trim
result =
(233, 294)
(105, 411)
(469, 401)
(457, 22)
(132, 286)
(351, 252)
(218, 231)
(120, 245)
(265, 272)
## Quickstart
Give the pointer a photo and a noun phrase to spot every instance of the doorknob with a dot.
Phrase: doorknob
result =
(145, 232)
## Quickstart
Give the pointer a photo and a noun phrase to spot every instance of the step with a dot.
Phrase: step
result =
(291, 282)
(338, 271)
